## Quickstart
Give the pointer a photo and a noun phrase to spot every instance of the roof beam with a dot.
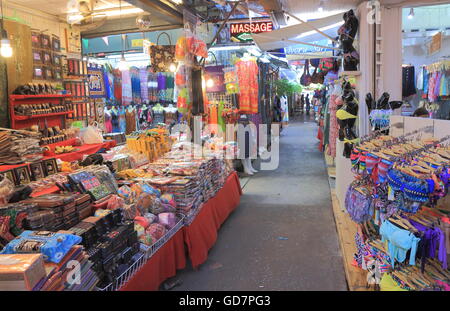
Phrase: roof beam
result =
(159, 9)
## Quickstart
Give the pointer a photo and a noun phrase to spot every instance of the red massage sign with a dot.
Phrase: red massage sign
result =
(241, 32)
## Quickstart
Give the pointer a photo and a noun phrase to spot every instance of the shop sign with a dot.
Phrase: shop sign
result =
(136, 43)
(305, 49)
(95, 82)
(241, 32)
(436, 43)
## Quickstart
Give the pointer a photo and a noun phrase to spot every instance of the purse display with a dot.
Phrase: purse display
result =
(162, 56)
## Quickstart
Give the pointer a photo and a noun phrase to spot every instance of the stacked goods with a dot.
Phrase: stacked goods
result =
(154, 214)
(56, 212)
(110, 242)
(12, 220)
(73, 273)
(120, 138)
(7, 156)
(97, 181)
(83, 206)
(21, 272)
(26, 145)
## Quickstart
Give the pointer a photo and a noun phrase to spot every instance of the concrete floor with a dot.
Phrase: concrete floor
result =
(283, 235)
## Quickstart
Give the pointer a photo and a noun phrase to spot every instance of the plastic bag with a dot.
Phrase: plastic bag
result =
(92, 135)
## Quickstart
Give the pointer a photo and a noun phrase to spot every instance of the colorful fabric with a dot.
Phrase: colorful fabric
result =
(247, 72)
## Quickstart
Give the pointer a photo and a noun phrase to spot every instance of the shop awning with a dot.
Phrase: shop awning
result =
(298, 34)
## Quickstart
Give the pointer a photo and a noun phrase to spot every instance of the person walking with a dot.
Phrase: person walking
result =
(302, 103)
(308, 104)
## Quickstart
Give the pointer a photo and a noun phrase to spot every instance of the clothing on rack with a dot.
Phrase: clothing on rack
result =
(247, 72)
(408, 81)
(130, 116)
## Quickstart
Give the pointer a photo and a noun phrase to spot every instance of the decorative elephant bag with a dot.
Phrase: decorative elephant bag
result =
(162, 56)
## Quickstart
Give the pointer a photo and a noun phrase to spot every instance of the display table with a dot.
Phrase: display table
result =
(161, 266)
(201, 235)
(82, 150)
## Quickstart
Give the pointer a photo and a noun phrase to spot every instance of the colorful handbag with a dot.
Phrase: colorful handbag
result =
(305, 79)
(162, 56)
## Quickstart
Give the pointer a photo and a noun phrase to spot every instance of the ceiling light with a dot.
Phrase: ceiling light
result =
(209, 83)
(117, 12)
(5, 48)
(177, 1)
(74, 18)
(173, 67)
(411, 13)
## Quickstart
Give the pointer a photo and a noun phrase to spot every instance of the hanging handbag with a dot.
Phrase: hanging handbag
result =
(317, 77)
(162, 56)
(358, 205)
(216, 75)
(315, 62)
(305, 79)
(326, 64)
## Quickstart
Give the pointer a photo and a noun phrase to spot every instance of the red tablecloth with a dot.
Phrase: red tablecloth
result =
(161, 266)
(82, 150)
(201, 235)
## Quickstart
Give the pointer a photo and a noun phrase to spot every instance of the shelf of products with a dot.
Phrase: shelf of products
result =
(21, 118)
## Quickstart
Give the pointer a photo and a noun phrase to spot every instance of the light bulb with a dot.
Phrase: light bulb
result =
(123, 65)
(5, 48)
(209, 83)
(411, 13)
(172, 67)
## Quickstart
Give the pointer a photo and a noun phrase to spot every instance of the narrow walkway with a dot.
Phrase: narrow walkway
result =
(283, 235)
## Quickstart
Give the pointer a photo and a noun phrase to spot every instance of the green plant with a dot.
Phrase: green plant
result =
(285, 87)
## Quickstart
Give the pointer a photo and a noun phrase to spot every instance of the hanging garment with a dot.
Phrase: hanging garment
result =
(426, 77)
(107, 82)
(108, 122)
(143, 76)
(220, 118)
(127, 95)
(408, 77)
(419, 82)
(445, 85)
(135, 84)
(115, 121)
(122, 120)
(335, 103)
(158, 115)
(247, 72)
(130, 117)
(118, 85)
(143, 117)
(431, 87)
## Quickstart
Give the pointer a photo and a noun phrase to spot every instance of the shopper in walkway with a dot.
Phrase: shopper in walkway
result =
(308, 104)
(302, 103)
